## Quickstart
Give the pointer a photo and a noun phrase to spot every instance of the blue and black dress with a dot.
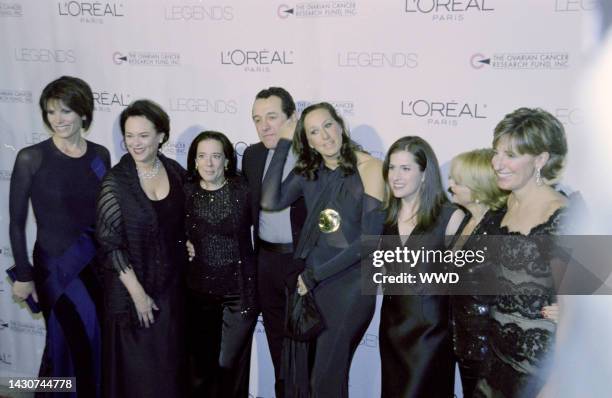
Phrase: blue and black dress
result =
(63, 192)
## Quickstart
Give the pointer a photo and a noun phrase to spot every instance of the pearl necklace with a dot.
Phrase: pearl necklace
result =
(147, 175)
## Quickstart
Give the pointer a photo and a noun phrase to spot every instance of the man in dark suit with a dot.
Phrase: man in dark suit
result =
(276, 233)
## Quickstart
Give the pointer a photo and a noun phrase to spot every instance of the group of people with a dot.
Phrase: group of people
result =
(151, 281)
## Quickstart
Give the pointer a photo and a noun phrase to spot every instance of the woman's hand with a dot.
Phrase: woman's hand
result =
(301, 286)
(21, 290)
(551, 312)
(190, 250)
(288, 129)
(143, 303)
(144, 307)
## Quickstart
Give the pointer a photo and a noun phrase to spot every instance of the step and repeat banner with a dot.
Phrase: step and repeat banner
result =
(447, 70)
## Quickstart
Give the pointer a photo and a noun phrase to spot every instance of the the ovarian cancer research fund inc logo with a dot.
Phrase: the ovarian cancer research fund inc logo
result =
(478, 61)
(147, 58)
(119, 58)
(524, 60)
(11, 9)
(318, 9)
(11, 96)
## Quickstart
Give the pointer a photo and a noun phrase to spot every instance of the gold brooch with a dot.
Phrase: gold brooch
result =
(329, 221)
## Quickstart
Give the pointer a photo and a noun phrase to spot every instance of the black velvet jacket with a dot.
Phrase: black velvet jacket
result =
(128, 232)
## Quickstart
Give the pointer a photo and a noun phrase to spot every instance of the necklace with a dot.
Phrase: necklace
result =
(147, 175)
(208, 188)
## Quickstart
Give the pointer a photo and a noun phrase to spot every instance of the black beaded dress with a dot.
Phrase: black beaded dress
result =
(521, 339)
(221, 285)
(470, 313)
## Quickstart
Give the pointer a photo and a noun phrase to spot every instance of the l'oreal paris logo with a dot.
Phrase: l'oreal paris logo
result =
(240, 57)
(441, 109)
(448, 6)
(90, 9)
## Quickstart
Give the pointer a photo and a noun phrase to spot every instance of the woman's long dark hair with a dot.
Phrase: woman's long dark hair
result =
(309, 160)
(431, 192)
(228, 151)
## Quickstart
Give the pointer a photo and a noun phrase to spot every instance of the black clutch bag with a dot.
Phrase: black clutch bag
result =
(30, 300)
(303, 321)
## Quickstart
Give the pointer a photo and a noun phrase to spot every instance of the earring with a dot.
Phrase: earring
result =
(477, 201)
(538, 178)
(196, 166)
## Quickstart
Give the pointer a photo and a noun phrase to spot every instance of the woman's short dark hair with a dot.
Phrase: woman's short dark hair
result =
(431, 193)
(150, 111)
(309, 159)
(73, 92)
(534, 131)
(287, 103)
(228, 152)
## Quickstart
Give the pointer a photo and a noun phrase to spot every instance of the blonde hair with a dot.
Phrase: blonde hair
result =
(474, 170)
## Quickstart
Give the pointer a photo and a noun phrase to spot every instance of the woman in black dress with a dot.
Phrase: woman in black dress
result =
(530, 149)
(342, 188)
(61, 176)
(140, 228)
(473, 186)
(221, 275)
(415, 340)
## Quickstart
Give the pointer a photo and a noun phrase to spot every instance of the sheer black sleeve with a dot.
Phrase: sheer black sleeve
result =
(26, 165)
(110, 231)
(103, 153)
(277, 194)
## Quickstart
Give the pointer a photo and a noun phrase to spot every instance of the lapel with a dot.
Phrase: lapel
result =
(398, 238)
(259, 163)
